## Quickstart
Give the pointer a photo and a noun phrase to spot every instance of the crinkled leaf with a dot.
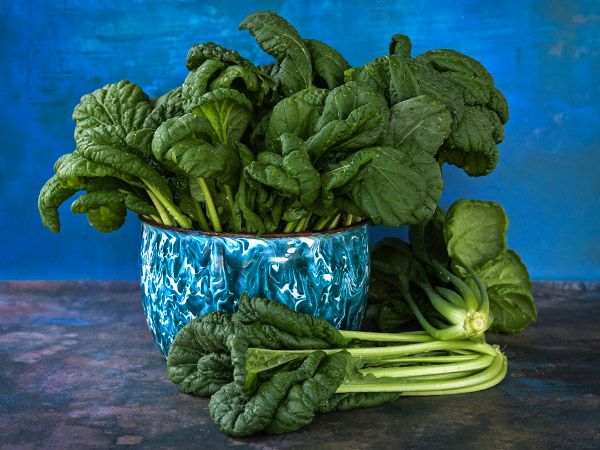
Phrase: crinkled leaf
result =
(201, 159)
(203, 336)
(167, 106)
(296, 329)
(103, 145)
(74, 171)
(52, 195)
(478, 108)
(196, 83)
(274, 177)
(452, 61)
(392, 76)
(343, 172)
(121, 104)
(285, 402)
(176, 129)
(141, 142)
(199, 53)
(472, 145)
(279, 39)
(347, 402)
(95, 199)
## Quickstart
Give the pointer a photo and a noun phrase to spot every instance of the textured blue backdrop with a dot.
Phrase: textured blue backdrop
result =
(544, 55)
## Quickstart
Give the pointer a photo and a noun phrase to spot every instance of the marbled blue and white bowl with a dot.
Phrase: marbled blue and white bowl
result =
(187, 273)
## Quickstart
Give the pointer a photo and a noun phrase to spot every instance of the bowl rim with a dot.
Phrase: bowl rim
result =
(340, 230)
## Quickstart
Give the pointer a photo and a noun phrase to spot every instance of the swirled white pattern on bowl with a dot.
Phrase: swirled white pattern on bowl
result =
(187, 274)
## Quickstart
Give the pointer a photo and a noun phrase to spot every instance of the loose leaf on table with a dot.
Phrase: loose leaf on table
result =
(198, 344)
(285, 402)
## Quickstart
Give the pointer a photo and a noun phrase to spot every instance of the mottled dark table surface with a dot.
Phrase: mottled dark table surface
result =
(79, 370)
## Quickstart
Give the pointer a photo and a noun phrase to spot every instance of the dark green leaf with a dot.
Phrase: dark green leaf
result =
(398, 186)
(119, 104)
(421, 123)
(475, 232)
(328, 64)
(52, 195)
(509, 290)
(279, 39)
(227, 111)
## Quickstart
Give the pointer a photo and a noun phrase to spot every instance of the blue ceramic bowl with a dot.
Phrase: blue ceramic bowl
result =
(187, 273)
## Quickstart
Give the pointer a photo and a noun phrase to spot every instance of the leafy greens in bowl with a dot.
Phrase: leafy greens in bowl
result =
(305, 143)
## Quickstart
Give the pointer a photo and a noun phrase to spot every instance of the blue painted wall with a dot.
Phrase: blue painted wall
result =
(544, 55)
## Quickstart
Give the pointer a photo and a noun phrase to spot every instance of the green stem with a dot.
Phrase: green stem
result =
(334, 222)
(443, 376)
(201, 217)
(440, 387)
(382, 354)
(180, 218)
(480, 363)
(156, 219)
(290, 226)
(210, 205)
(493, 381)
(299, 225)
(451, 296)
(431, 359)
(452, 313)
(229, 195)
(387, 337)
(162, 212)
(484, 303)
(348, 220)
(322, 222)
(467, 293)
